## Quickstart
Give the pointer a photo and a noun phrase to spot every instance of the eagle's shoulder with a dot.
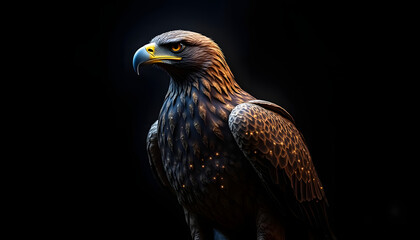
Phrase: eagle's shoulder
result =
(273, 107)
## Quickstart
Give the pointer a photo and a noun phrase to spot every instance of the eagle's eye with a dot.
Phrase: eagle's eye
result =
(177, 47)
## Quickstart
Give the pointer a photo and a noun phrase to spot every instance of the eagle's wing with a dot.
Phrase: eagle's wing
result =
(154, 155)
(267, 136)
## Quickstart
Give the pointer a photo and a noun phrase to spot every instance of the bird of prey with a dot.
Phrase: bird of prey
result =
(237, 165)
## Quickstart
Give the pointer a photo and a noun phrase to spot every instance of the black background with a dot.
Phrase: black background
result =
(329, 64)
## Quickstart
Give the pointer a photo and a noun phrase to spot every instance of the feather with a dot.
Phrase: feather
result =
(187, 128)
(205, 140)
(197, 127)
(182, 98)
(196, 150)
(205, 84)
(226, 93)
(170, 143)
(211, 108)
(207, 94)
(188, 93)
(178, 109)
(222, 114)
(194, 97)
(183, 141)
(195, 84)
(191, 109)
(215, 123)
(216, 86)
(219, 97)
(171, 121)
(202, 111)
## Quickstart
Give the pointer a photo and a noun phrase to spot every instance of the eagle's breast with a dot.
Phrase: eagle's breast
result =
(200, 157)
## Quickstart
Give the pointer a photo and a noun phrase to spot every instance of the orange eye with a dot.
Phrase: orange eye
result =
(176, 47)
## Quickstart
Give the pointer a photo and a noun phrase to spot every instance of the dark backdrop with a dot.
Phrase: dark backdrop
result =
(315, 59)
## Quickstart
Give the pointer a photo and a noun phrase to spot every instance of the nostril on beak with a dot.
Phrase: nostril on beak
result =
(150, 50)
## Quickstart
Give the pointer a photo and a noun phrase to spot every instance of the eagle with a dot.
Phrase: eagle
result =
(237, 165)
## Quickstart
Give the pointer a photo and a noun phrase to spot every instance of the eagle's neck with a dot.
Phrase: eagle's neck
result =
(215, 82)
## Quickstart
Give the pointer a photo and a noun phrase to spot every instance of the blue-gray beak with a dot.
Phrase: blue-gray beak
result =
(149, 54)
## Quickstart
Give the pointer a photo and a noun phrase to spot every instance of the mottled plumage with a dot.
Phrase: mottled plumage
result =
(235, 164)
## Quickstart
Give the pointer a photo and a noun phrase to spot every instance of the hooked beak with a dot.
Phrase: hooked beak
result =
(149, 54)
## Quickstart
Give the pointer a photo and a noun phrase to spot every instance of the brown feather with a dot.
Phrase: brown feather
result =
(216, 86)
(195, 97)
(202, 111)
(206, 84)
(219, 97)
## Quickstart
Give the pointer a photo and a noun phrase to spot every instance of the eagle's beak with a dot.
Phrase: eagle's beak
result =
(149, 54)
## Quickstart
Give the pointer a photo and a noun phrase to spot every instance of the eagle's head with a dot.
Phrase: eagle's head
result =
(181, 53)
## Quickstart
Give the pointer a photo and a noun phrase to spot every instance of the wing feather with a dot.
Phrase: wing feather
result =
(267, 136)
(154, 155)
